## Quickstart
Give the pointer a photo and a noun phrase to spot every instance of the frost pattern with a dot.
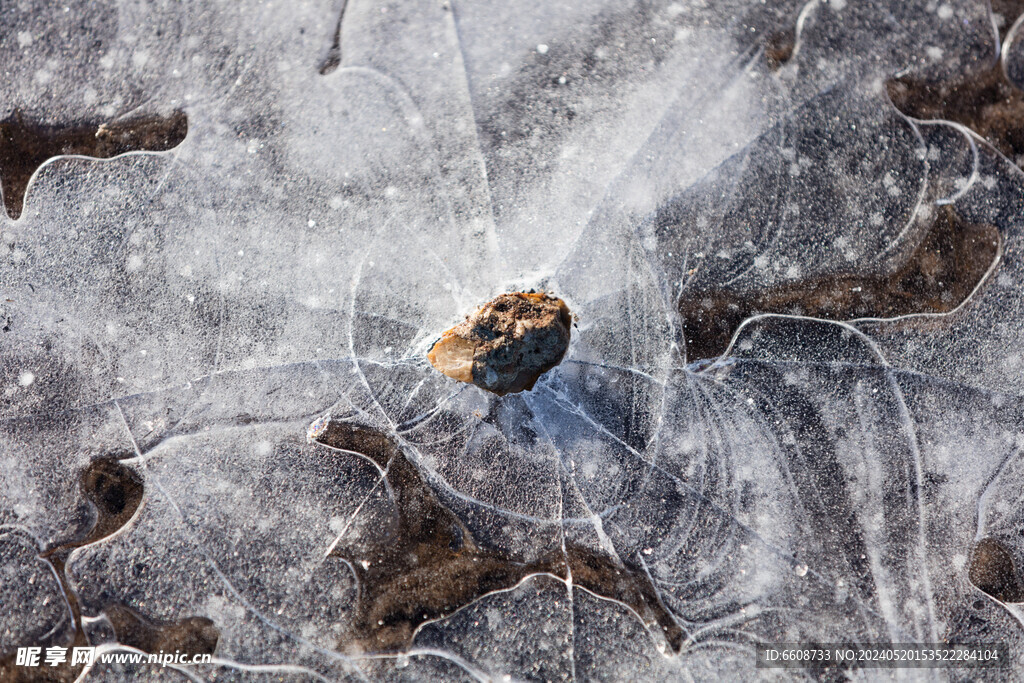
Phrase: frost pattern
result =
(192, 312)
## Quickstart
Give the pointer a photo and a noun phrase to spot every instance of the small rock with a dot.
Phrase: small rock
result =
(506, 344)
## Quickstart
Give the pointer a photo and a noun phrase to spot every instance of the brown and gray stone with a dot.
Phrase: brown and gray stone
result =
(507, 343)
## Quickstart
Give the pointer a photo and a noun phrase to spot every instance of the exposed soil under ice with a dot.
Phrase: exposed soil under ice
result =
(25, 145)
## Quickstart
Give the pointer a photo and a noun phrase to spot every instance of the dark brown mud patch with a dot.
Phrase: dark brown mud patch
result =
(994, 571)
(26, 144)
(191, 635)
(941, 273)
(433, 566)
(779, 47)
(984, 101)
(115, 491)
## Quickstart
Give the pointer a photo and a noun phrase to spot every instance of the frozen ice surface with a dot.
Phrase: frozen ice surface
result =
(240, 323)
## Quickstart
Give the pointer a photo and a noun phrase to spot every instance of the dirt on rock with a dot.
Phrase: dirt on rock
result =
(507, 343)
